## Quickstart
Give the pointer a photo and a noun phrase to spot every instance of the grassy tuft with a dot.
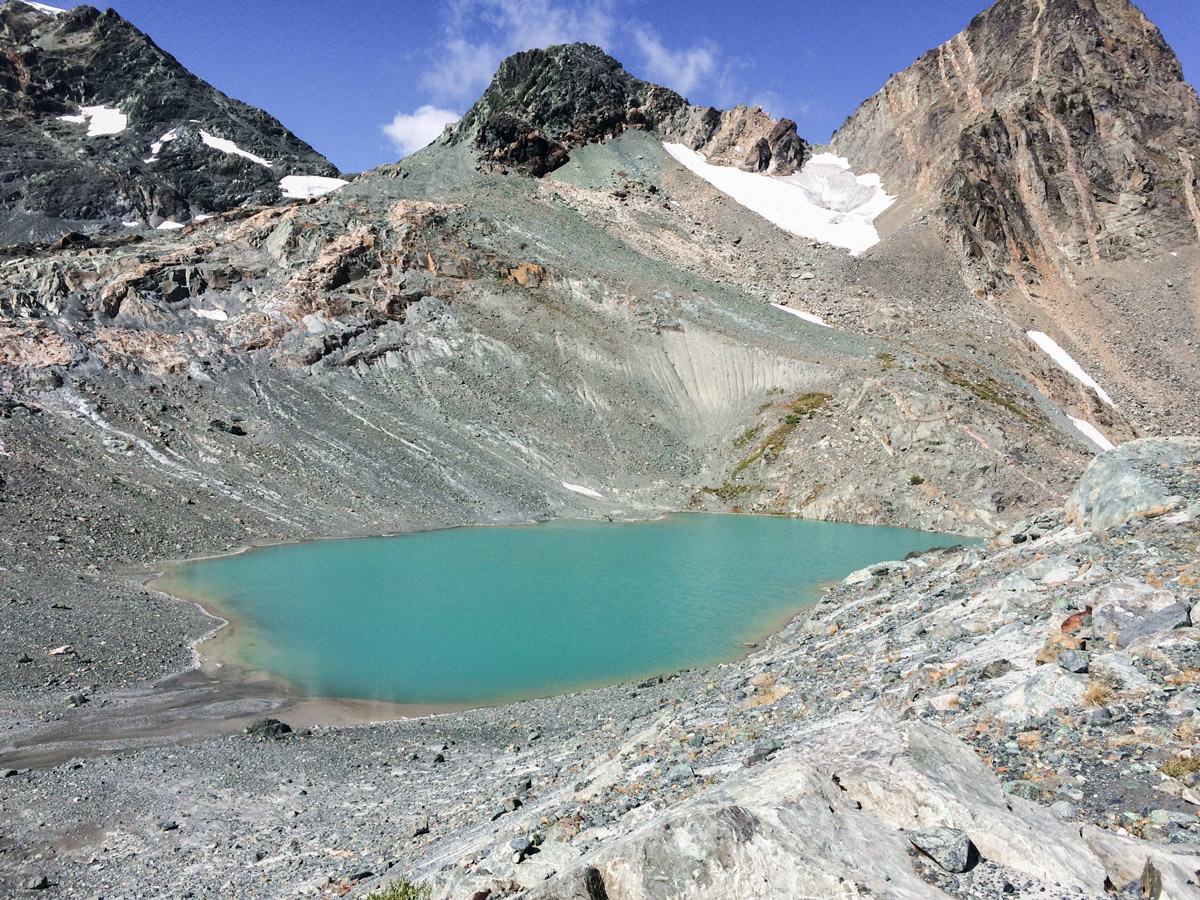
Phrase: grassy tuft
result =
(989, 390)
(1180, 766)
(402, 890)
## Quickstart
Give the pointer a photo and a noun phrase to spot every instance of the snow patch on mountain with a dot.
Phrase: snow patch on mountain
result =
(227, 146)
(824, 201)
(806, 316)
(48, 10)
(1092, 433)
(100, 119)
(584, 491)
(156, 146)
(302, 187)
(1051, 348)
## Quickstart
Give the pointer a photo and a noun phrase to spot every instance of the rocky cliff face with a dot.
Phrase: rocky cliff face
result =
(99, 127)
(1050, 132)
(544, 102)
(1052, 144)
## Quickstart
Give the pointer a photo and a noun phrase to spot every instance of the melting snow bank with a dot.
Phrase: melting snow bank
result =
(228, 146)
(806, 316)
(1092, 433)
(1072, 368)
(302, 187)
(580, 489)
(824, 201)
(100, 120)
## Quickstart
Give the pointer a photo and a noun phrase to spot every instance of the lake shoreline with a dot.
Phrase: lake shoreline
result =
(220, 648)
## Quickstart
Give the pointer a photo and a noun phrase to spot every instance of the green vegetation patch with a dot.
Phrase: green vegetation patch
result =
(402, 890)
(805, 406)
(745, 437)
(989, 390)
(1180, 766)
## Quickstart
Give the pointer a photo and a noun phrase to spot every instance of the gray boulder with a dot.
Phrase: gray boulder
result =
(950, 848)
(1127, 483)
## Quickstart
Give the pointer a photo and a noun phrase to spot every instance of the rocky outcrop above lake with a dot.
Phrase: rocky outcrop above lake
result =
(542, 103)
(1052, 147)
(100, 127)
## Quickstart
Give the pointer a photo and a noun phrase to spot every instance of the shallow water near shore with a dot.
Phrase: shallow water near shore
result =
(476, 616)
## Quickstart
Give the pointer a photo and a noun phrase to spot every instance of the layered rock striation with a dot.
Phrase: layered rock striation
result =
(1049, 134)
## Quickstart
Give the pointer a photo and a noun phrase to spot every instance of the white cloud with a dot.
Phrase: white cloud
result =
(481, 33)
(680, 70)
(412, 131)
(462, 70)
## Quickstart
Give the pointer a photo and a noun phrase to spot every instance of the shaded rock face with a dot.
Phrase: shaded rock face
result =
(1049, 133)
(543, 102)
(56, 176)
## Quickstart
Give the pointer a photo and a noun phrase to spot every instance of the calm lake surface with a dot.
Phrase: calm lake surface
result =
(474, 616)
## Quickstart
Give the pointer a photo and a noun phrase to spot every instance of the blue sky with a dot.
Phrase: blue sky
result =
(338, 74)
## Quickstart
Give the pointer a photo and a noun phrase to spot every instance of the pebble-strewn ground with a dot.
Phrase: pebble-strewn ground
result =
(1064, 659)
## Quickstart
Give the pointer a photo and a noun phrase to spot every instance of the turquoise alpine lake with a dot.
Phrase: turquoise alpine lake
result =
(481, 615)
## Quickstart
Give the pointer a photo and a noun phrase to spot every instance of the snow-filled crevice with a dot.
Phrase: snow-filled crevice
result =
(1051, 348)
(227, 146)
(806, 316)
(1092, 433)
(824, 201)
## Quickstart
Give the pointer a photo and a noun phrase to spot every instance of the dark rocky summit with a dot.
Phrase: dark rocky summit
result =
(156, 166)
(541, 103)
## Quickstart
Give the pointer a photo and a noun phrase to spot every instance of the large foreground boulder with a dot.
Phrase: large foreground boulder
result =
(1133, 481)
(837, 819)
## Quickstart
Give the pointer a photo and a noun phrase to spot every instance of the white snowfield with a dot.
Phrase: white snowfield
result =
(302, 187)
(227, 146)
(100, 119)
(806, 316)
(42, 7)
(824, 201)
(1092, 433)
(169, 226)
(217, 315)
(585, 491)
(1072, 368)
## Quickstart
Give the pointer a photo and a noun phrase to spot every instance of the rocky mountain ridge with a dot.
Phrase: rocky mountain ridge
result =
(544, 102)
(1062, 173)
(100, 127)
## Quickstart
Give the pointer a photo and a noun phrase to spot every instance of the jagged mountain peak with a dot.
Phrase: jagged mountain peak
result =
(1053, 145)
(543, 102)
(1047, 52)
(101, 127)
